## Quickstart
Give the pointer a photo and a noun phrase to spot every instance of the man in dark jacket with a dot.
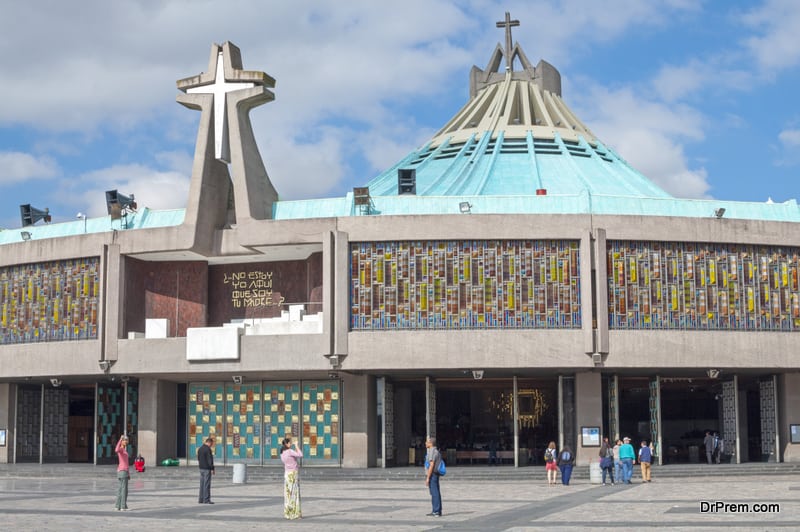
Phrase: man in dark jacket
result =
(205, 461)
(566, 460)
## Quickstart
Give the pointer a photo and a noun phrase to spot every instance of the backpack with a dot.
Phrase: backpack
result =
(548, 455)
(565, 456)
(442, 468)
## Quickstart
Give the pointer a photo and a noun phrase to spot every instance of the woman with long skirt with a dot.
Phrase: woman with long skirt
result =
(290, 456)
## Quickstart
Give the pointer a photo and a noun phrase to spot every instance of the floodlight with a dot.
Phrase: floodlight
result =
(719, 213)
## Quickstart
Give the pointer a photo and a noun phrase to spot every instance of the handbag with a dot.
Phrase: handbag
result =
(606, 461)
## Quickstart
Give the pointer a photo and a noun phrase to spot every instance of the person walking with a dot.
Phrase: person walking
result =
(607, 460)
(708, 443)
(432, 477)
(122, 473)
(617, 462)
(205, 461)
(627, 456)
(550, 465)
(645, 459)
(566, 461)
(290, 455)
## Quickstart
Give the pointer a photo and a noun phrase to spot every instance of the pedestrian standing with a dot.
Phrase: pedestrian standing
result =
(708, 443)
(566, 461)
(645, 459)
(290, 456)
(550, 465)
(627, 456)
(617, 462)
(205, 461)
(122, 473)
(606, 455)
(433, 459)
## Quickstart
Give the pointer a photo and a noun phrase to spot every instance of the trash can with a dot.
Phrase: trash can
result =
(595, 473)
(240, 473)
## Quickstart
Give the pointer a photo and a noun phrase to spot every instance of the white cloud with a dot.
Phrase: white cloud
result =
(152, 188)
(790, 138)
(778, 25)
(649, 135)
(17, 167)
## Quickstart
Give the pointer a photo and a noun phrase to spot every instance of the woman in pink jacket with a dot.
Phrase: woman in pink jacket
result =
(290, 455)
(122, 473)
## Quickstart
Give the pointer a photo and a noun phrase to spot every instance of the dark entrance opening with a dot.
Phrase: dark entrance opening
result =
(753, 435)
(475, 419)
(81, 424)
(689, 408)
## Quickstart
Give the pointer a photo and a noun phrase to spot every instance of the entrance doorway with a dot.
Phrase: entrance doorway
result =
(81, 424)
(475, 419)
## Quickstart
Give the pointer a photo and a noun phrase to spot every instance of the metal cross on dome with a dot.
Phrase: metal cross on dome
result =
(508, 24)
(219, 89)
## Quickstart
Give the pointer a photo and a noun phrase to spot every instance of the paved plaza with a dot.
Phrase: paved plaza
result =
(80, 502)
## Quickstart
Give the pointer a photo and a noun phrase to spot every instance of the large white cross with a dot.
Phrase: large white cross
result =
(220, 87)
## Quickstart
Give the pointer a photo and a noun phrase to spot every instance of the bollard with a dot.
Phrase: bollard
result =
(240, 473)
(595, 473)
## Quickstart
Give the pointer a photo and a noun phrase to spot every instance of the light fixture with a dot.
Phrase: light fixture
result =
(237, 379)
(105, 365)
(477, 374)
(30, 215)
(82, 216)
(333, 375)
(119, 204)
(719, 213)
(465, 207)
(26, 235)
(55, 382)
(124, 378)
(334, 360)
(712, 373)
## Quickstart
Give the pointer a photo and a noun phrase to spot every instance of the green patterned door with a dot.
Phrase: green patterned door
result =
(205, 412)
(321, 422)
(281, 417)
(243, 423)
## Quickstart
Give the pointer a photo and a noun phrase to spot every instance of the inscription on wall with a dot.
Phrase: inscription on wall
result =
(251, 289)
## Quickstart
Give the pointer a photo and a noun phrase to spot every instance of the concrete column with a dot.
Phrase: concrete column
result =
(359, 419)
(788, 404)
(8, 392)
(157, 420)
(588, 411)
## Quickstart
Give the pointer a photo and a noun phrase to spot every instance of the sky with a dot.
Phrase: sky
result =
(698, 95)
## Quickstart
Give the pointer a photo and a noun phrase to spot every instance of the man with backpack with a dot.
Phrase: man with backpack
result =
(433, 460)
(566, 461)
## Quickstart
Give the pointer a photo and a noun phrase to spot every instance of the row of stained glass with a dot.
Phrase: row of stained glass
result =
(49, 301)
(676, 285)
(465, 284)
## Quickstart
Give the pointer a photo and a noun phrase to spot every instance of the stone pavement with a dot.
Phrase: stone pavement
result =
(76, 502)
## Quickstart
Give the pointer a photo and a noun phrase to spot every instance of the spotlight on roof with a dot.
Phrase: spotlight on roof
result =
(719, 213)
(26, 235)
(118, 204)
(30, 215)
(465, 207)
(238, 379)
(55, 382)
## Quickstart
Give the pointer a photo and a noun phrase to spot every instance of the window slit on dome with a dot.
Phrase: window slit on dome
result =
(546, 146)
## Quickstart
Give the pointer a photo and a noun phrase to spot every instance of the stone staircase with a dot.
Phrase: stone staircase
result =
(323, 473)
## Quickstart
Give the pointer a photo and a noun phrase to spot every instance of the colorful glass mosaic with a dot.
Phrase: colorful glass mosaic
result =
(678, 285)
(243, 423)
(205, 410)
(49, 301)
(465, 284)
(320, 421)
(110, 421)
(281, 416)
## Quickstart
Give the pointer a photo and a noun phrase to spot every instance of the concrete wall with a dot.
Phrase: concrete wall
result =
(588, 412)
(157, 420)
(8, 394)
(358, 424)
(788, 414)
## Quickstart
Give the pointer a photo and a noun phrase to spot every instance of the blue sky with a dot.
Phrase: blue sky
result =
(700, 96)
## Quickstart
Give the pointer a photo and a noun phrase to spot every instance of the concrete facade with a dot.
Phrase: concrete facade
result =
(183, 275)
